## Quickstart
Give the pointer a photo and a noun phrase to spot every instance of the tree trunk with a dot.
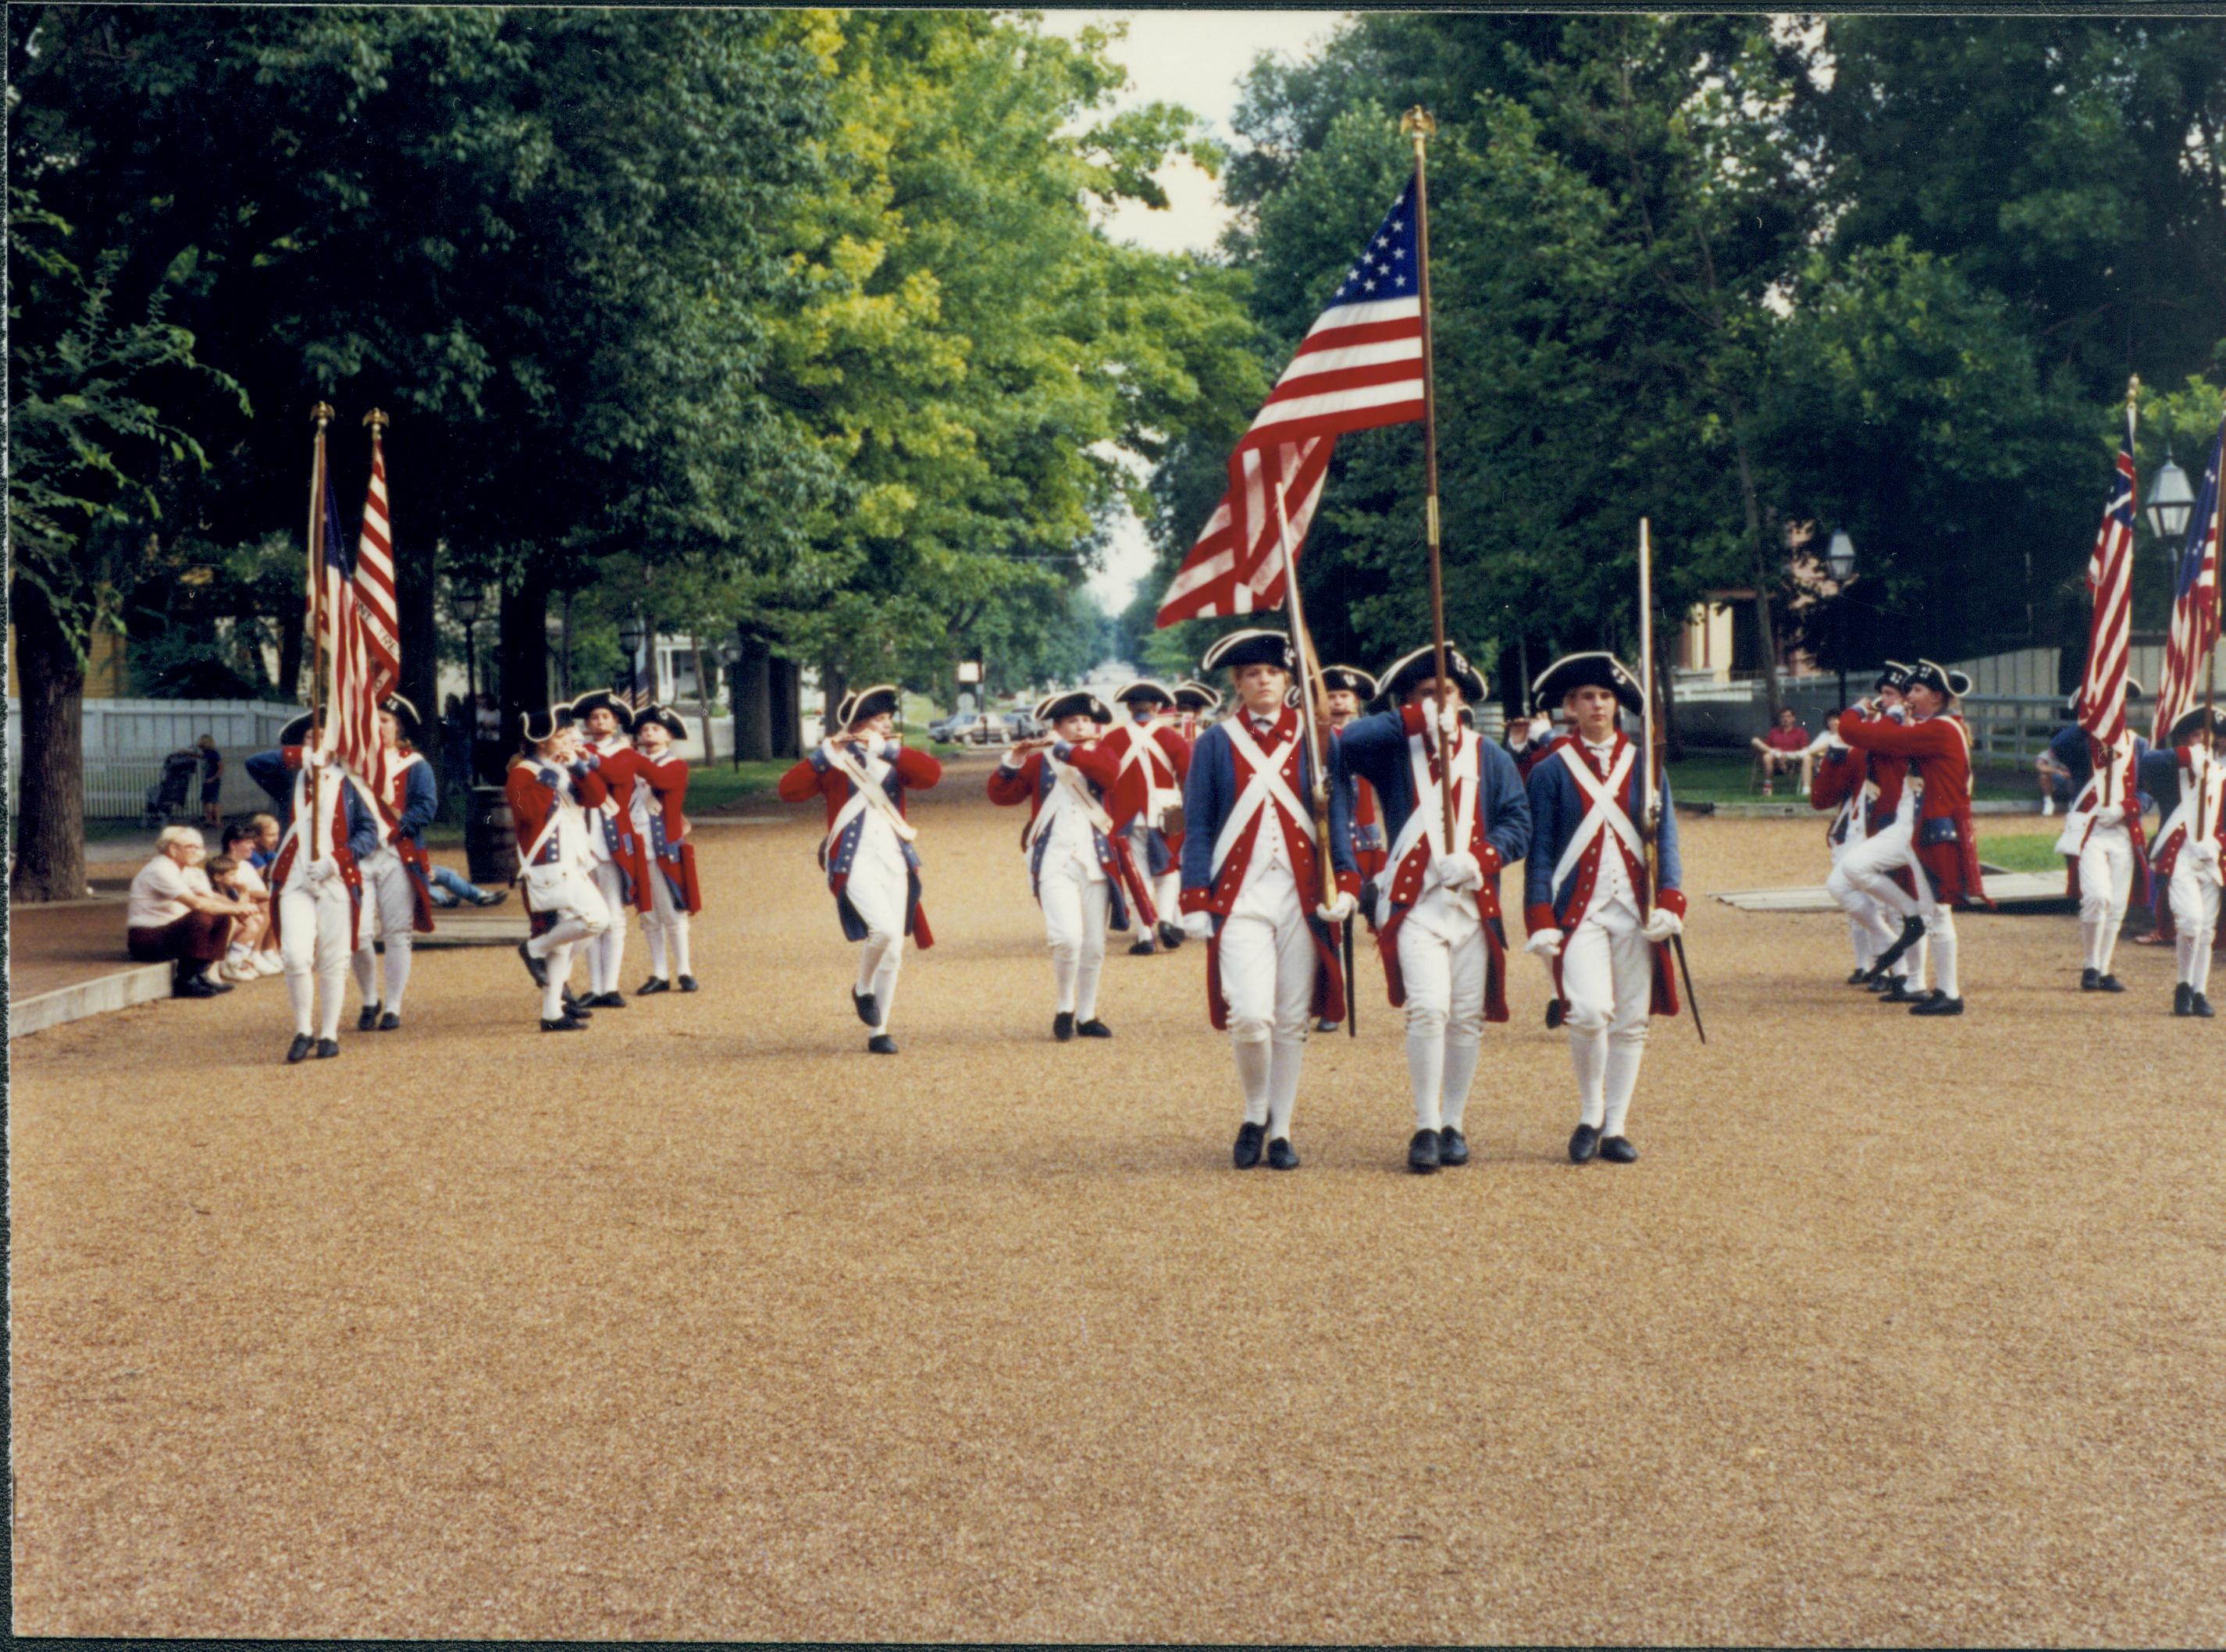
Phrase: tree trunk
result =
(703, 691)
(413, 598)
(1765, 577)
(1673, 747)
(831, 685)
(50, 797)
(749, 690)
(522, 652)
(786, 698)
(292, 648)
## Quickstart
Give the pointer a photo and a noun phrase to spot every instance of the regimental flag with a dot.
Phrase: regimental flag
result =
(376, 614)
(360, 663)
(1360, 365)
(2109, 635)
(2194, 631)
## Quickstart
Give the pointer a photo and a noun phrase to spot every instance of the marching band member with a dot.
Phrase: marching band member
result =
(1347, 690)
(1443, 944)
(1882, 870)
(1938, 748)
(1196, 704)
(1252, 889)
(2105, 856)
(660, 826)
(317, 881)
(1151, 743)
(1864, 794)
(1528, 737)
(2189, 846)
(1076, 845)
(403, 800)
(1587, 907)
(552, 785)
(872, 867)
(621, 872)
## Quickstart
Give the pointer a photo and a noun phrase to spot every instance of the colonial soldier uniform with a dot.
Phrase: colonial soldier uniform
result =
(1196, 704)
(1152, 746)
(1439, 931)
(1348, 690)
(403, 799)
(2106, 860)
(658, 808)
(1588, 905)
(1528, 739)
(551, 790)
(621, 868)
(316, 882)
(1251, 889)
(1078, 795)
(1938, 747)
(1883, 868)
(872, 868)
(2189, 846)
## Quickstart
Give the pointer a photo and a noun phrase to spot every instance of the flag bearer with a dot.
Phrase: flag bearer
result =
(1078, 794)
(316, 882)
(2189, 846)
(403, 800)
(1587, 904)
(1443, 942)
(1252, 888)
(1938, 748)
(621, 869)
(660, 826)
(551, 787)
(1149, 743)
(863, 771)
(2106, 862)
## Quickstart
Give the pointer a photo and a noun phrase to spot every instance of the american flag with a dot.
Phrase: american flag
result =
(1360, 365)
(381, 627)
(358, 681)
(2194, 631)
(2109, 636)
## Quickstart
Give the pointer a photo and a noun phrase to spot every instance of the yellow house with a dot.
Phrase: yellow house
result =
(108, 667)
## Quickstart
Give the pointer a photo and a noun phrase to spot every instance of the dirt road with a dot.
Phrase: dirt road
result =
(709, 1324)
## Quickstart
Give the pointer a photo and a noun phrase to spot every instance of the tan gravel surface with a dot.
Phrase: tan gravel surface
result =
(708, 1324)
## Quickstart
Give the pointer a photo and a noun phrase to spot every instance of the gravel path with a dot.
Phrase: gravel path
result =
(709, 1324)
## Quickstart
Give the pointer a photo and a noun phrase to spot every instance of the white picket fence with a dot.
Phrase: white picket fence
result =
(125, 741)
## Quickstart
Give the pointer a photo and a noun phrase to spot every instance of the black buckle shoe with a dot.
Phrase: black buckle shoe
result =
(654, 984)
(1860, 978)
(1093, 1028)
(1617, 1150)
(881, 1045)
(537, 968)
(868, 1010)
(1912, 931)
(2111, 984)
(390, 1022)
(193, 987)
(1062, 1026)
(1452, 1147)
(1250, 1139)
(2201, 1006)
(1937, 1002)
(1584, 1143)
(688, 984)
(328, 1048)
(299, 1049)
(1422, 1152)
(1553, 1014)
(1171, 935)
(2183, 999)
(607, 1000)
(367, 1018)
(577, 1008)
(1897, 992)
(563, 1024)
(1142, 949)
(1280, 1154)
(2091, 981)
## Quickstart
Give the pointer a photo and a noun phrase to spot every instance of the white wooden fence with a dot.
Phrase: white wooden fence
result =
(125, 741)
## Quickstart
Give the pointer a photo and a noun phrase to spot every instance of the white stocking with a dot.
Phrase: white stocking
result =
(1286, 1056)
(397, 970)
(1460, 1072)
(1254, 1070)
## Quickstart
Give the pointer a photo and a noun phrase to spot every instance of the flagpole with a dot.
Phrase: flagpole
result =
(2109, 754)
(322, 413)
(1417, 123)
(2217, 561)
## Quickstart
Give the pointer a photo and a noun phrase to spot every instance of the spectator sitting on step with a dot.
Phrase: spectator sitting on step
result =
(452, 888)
(175, 916)
(1785, 747)
(234, 873)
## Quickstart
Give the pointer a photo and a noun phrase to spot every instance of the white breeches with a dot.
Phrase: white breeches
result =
(1867, 868)
(2105, 886)
(582, 914)
(606, 949)
(314, 944)
(664, 926)
(1870, 931)
(389, 907)
(1442, 958)
(879, 889)
(2195, 903)
(1076, 908)
(1268, 978)
(1607, 976)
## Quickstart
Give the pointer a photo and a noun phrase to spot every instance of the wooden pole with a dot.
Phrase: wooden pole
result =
(322, 413)
(1417, 123)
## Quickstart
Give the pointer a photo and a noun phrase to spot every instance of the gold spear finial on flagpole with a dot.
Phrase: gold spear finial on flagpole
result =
(378, 421)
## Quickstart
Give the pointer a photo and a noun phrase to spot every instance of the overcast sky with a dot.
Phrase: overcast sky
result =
(1194, 58)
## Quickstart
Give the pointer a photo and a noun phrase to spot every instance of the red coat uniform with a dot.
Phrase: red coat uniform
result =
(910, 770)
(667, 852)
(1172, 752)
(1120, 792)
(620, 769)
(1939, 749)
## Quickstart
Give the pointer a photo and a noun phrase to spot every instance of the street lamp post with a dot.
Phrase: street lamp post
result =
(1841, 561)
(2171, 500)
(730, 655)
(631, 632)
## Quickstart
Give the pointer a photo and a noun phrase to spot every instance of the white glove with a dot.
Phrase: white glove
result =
(1547, 943)
(2205, 856)
(2109, 815)
(1459, 871)
(1339, 910)
(1662, 924)
(1198, 926)
(322, 868)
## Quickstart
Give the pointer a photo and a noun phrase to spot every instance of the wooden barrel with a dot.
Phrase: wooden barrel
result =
(490, 844)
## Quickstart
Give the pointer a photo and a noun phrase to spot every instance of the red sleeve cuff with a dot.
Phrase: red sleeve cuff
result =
(1196, 900)
(1489, 860)
(1670, 901)
(1349, 883)
(1537, 916)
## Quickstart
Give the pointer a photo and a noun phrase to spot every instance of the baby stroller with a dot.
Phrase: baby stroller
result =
(167, 795)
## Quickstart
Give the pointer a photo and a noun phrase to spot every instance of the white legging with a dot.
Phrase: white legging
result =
(1869, 929)
(607, 947)
(665, 926)
(1442, 960)
(1868, 868)
(1076, 907)
(879, 893)
(2195, 902)
(1267, 979)
(1607, 976)
(389, 908)
(314, 944)
(581, 915)
(2106, 887)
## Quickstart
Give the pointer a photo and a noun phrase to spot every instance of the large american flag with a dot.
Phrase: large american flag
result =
(2109, 635)
(380, 624)
(362, 661)
(1360, 365)
(2194, 631)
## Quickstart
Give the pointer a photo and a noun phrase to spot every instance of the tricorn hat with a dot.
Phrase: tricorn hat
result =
(405, 715)
(1404, 674)
(867, 703)
(2194, 720)
(664, 717)
(296, 731)
(537, 726)
(1930, 674)
(603, 700)
(1193, 695)
(1242, 648)
(1349, 678)
(1959, 682)
(1073, 702)
(1893, 674)
(1145, 689)
(1593, 671)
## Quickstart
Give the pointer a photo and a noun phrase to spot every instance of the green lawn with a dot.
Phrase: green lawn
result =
(1725, 777)
(2022, 851)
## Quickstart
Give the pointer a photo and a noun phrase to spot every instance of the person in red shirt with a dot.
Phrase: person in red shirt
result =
(1785, 747)
(1149, 743)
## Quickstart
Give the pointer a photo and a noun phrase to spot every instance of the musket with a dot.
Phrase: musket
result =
(1650, 756)
(1314, 710)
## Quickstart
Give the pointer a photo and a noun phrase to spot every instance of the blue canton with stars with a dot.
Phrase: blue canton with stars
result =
(1388, 266)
